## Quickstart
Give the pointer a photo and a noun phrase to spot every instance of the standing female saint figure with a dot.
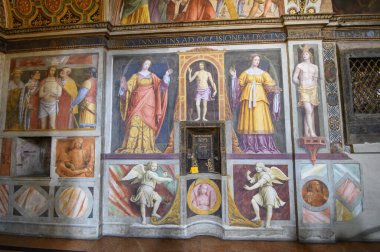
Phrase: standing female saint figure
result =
(134, 12)
(143, 102)
(255, 127)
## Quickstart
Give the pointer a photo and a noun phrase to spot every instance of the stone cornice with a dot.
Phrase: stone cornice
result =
(327, 27)
(286, 20)
(358, 18)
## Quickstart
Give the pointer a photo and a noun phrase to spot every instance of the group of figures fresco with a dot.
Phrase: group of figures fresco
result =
(147, 91)
(42, 94)
(157, 11)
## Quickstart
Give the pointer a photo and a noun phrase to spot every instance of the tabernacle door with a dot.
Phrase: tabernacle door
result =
(202, 146)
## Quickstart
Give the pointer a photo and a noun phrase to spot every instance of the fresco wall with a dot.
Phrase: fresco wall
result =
(199, 86)
(121, 143)
(143, 12)
(50, 151)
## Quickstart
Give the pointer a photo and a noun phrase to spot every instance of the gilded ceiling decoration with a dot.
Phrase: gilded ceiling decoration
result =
(30, 13)
(2, 14)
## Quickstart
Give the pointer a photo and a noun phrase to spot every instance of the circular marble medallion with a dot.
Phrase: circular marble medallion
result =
(73, 202)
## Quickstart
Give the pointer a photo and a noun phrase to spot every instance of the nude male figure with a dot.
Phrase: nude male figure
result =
(203, 90)
(49, 93)
(306, 76)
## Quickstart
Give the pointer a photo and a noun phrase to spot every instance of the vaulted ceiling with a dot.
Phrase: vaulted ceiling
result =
(42, 13)
(20, 14)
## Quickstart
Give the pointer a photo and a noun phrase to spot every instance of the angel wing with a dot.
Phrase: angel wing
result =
(137, 173)
(277, 175)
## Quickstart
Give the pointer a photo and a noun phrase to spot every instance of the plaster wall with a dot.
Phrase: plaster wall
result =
(367, 225)
(292, 161)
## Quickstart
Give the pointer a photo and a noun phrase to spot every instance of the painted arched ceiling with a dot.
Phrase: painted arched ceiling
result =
(31, 13)
(19, 14)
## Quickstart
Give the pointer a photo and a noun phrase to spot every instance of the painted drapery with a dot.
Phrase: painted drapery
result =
(143, 108)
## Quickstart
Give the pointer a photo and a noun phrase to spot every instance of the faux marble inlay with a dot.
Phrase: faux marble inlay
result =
(348, 191)
(73, 202)
(4, 197)
(348, 203)
(310, 217)
(313, 170)
(31, 201)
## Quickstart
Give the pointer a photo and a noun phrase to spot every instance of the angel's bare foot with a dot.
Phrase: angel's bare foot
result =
(204, 119)
(257, 218)
(197, 119)
(144, 222)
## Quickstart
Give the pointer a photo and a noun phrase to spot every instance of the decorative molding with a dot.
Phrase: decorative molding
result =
(3, 45)
(112, 156)
(312, 145)
(305, 34)
(58, 43)
(318, 234)
(213, 23)
(357, 34)
(61, 28)
(106, 35)
(333, 100)
(196, 40)
(298, 17)
(346, 19)
(95, 17)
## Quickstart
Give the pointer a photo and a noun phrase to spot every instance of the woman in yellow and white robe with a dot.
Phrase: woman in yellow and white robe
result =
(255, 126)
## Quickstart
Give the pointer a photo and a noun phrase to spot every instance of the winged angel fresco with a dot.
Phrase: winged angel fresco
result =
(267, 196)
(146, 195)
